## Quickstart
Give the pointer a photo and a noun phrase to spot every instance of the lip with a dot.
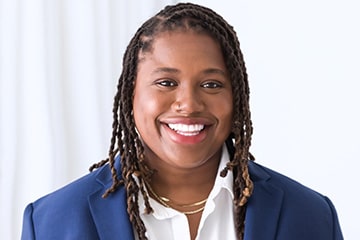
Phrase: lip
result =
(192, 138)
(188, 121)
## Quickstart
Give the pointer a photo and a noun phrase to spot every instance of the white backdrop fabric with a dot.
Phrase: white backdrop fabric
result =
(59, 64)
(60, 61)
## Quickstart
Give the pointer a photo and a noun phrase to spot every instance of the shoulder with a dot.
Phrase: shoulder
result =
(66, 210)
(302, 210)
(75, 192)
(290, 187)
(78, 211)
(78, 191)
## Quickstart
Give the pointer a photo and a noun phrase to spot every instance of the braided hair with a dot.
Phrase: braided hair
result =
(125, 140)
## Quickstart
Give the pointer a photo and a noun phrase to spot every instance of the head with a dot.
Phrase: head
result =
(183, 17)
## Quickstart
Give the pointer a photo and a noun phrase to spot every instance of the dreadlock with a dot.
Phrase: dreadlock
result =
(126, 141)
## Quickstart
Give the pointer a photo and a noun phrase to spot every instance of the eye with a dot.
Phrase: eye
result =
(212, 84)
(166, 83)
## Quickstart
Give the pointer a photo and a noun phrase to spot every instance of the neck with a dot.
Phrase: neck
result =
(184, 185)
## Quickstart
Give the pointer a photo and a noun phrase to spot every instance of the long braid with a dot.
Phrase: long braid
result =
(126, 141)
(130, 139)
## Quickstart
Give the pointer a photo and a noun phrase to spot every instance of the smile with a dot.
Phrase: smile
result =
(186, 129)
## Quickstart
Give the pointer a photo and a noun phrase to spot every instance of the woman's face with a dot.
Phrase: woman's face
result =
(183, 100)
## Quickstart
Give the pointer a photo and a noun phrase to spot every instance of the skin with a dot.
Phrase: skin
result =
(183, 80)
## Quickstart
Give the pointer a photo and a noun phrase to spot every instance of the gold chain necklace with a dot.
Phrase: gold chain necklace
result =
(165, 202)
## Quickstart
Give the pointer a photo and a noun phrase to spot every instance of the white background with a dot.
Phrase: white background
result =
(59, 64)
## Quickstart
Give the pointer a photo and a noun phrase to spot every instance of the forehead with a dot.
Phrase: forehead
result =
(184, 45)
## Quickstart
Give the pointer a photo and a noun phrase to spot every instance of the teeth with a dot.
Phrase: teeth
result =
(187, 129)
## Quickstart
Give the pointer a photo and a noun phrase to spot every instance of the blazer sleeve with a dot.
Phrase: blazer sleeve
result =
(28, 226)
(337, 234)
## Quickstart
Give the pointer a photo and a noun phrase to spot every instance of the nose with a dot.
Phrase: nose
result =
(188, 100)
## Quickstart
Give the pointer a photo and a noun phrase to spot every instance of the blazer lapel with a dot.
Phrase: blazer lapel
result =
(263, 209)
(110, 214)
(264, 206)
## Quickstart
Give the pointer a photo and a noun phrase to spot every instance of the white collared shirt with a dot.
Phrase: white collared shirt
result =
(217, 220)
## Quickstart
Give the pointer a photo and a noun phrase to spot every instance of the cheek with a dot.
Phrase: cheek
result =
(225, 110)
(226, 119)
(146, 107)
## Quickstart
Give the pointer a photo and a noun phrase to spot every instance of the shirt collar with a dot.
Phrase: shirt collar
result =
(226, 183)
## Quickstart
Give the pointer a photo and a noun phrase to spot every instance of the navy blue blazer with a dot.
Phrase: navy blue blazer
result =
(279, 208)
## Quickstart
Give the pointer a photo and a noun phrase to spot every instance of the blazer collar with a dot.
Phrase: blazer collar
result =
(264, 206)
(110, 214)
(262, 214)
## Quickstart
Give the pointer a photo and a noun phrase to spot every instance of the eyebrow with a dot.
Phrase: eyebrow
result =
(214, 71)
(174, 70)
(165, 70)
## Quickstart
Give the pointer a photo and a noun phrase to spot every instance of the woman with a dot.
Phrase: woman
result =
(179, 165)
